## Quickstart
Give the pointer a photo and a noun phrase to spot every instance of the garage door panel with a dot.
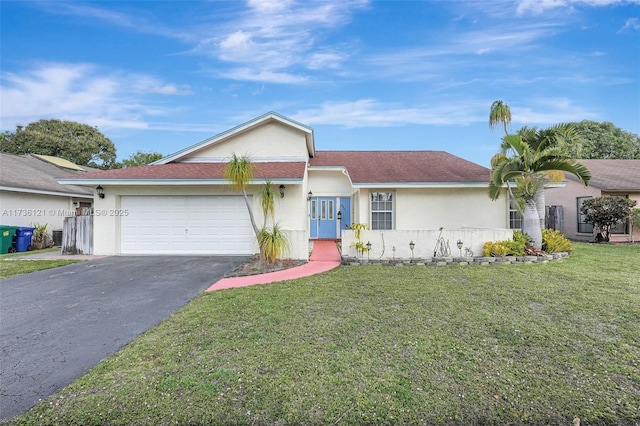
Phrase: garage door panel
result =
(186, 225)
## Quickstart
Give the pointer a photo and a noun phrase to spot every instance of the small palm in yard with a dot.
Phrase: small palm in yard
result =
(273, 243)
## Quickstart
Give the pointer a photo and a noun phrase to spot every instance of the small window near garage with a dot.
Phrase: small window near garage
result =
(583, 227)
(381, 210)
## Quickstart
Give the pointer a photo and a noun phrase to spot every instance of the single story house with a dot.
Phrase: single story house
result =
(182, 204)
(29, 192)
(609, 178)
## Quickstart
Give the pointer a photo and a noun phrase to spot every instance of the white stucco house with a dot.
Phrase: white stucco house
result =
(29, 193)
(182, 204)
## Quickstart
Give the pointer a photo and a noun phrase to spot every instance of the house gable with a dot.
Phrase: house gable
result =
(278, 138)
(270, 141)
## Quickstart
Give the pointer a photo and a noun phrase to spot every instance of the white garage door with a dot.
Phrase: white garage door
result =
(186, 225)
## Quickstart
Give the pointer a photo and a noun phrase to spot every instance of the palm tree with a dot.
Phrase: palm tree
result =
(272, 242)
(239, 170)
(267, 197)
(527, 167)
(562, 136)
(500, 114)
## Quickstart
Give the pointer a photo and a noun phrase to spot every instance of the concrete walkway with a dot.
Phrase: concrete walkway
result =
(324, 257)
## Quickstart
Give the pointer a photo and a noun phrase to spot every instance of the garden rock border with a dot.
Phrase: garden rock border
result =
(460, 261)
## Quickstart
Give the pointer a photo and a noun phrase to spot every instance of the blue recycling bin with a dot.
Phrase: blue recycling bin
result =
(23, 238)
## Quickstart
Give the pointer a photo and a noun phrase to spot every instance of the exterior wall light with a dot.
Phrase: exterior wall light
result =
(281, 188)
(309, 195)
(100, 191)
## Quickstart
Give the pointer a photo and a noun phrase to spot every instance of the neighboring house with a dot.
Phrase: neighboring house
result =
(609, 178)
(182, 203)
(29, 192)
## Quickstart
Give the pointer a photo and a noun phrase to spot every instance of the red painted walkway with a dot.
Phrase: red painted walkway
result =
(324, 257)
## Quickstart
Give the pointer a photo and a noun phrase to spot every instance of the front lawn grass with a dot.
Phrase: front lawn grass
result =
(10, 265)
(490, 345)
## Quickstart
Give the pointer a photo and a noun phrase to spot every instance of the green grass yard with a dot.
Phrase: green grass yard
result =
(11, 265)
(489, 345)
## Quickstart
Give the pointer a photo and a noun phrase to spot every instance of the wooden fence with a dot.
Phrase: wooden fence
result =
(77, 235)
(554, 218)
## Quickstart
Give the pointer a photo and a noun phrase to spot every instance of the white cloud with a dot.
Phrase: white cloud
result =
(263, 76)
(631, 24)
(373, 113)
(540, 6)
(274, 35)
(80, 92)
(549, 111)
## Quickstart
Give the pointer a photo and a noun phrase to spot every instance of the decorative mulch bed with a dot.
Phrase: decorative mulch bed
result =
(253, 266)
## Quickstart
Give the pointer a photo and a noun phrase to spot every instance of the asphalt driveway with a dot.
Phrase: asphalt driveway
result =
(56, 324)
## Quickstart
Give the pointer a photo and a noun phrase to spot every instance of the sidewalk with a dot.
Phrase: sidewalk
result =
(325, 256)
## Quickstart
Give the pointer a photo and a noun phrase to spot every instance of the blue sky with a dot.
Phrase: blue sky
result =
(365, 75)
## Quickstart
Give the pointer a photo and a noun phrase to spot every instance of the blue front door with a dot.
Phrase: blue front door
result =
(322, 220)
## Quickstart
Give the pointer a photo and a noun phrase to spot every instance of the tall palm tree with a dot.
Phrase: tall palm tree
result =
(272, 242)
(239, 170)
(527, 166)
(500, 113)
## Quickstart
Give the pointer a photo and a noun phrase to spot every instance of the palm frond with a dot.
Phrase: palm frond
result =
(267, 197)
(239, 170)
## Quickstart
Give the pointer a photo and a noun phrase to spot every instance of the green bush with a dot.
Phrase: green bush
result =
(515, 247)
(553, 241)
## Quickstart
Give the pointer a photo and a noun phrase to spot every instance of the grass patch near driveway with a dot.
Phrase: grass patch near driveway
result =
(490, 345)
(10, 265)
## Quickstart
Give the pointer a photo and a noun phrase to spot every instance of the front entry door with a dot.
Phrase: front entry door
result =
(322, 219)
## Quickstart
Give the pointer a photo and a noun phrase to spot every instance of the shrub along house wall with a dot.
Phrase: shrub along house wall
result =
(383, 242)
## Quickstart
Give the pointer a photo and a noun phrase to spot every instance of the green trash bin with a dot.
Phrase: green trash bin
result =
(6, 238)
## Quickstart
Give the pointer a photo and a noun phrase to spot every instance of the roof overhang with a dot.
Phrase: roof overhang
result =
(43, 192)
(171, 182)
(426, 185)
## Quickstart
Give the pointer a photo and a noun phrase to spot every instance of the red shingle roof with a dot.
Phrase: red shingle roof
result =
(612, 175)
(272, 170)
(402, 166)
(363, 167)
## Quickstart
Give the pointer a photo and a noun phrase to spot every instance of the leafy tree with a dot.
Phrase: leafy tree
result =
(4, 137)
(76, 142)
(605, 212)
(634, 219)
(606, 141)
(140, 158)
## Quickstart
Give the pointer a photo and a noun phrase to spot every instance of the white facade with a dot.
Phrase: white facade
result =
(274, 140)
(30, 208)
